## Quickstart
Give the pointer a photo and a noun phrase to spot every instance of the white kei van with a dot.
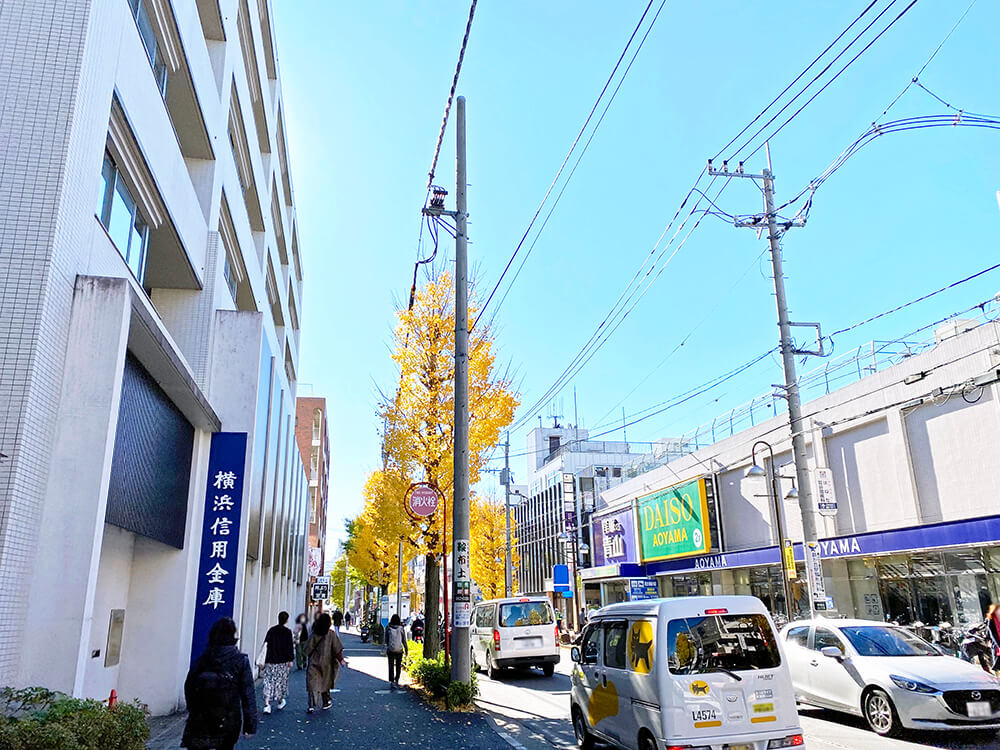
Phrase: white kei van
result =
(698, 672)
(514, 632)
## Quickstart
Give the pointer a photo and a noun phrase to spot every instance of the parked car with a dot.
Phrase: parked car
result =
(514, 632)
(689, 672)
(889, 675)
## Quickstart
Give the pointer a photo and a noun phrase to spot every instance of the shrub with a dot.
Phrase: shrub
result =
(434, 676)
(40, 719)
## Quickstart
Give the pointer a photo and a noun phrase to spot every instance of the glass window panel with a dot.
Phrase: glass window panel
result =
(614, 645)
(120, 221)
(137, 248)
(146, 32)
(104, 194)
(823, 638)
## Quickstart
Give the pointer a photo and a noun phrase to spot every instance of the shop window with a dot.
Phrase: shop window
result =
(799, 636)
(120, 215)
(823, 638)
(614, 645)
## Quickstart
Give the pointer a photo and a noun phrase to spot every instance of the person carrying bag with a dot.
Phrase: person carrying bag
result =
(395, 647)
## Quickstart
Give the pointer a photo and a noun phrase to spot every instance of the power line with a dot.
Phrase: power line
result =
(573, 146)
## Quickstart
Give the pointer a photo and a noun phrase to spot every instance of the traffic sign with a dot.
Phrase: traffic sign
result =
(826, 500)
(320, 591)
(422, 499)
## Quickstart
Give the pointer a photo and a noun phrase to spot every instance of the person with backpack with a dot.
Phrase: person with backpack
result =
(395, 647)
(325, 653)
(219, 693)
(278, 660)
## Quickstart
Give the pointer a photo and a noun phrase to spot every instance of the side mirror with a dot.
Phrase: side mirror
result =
(574, 654)
(833, 652)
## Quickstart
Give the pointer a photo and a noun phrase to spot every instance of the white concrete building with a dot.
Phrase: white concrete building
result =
(913, 453)
(150, 300)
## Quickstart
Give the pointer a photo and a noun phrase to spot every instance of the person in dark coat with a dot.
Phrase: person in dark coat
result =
(277, 663)
(219, 693)
(338, 619)
(301, 637)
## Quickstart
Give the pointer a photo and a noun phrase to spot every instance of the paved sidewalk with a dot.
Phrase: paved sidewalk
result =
(365, 716)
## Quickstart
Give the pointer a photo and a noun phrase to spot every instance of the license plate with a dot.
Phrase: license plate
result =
(740, 747)
(529, 642)
(978, 709)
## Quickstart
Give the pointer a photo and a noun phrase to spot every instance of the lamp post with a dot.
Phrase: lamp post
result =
(779, 513)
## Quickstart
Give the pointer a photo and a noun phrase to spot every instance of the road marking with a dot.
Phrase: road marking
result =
(511, 741)
(829, 742)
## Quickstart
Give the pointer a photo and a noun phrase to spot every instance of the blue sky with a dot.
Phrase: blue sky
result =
(365, 86)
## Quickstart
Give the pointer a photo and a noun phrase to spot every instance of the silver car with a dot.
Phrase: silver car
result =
(888, 675)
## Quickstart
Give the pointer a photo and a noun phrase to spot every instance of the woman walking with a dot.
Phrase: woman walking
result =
(301, 637)
(325, 653)
(219, 693)
(277, 663)
(395, 647)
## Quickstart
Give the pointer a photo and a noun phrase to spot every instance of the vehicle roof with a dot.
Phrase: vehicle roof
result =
(839, 623)
(684, 606)
(507, 599)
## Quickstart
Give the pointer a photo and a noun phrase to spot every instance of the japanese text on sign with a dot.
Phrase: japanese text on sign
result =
(220, 535)
(462, 596)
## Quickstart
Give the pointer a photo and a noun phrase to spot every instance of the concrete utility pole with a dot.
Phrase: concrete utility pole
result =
(399, 581)
(461, 594)
(788, 352)
(508, 581)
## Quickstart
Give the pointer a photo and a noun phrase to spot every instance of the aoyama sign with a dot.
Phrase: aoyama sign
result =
(674, 522)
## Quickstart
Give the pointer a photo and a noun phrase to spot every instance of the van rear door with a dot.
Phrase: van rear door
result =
(728, 671)
(527, 628)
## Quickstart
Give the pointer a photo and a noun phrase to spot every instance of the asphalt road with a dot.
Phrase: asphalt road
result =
(534, 711)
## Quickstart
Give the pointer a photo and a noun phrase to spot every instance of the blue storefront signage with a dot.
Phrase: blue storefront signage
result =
(642, 588)
(560, 579)
(220, 535)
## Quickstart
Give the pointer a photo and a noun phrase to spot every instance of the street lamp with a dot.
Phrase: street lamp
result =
(755, 470)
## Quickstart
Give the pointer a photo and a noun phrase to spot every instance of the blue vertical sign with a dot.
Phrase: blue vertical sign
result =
(220, 535)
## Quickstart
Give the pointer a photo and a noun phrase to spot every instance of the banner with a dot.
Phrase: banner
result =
(220, 535)
(614, 538)
(674, 522)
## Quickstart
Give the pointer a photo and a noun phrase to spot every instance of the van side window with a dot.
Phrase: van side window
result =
(592, 644)
(484, 616)
(614, 645)
(799, 636)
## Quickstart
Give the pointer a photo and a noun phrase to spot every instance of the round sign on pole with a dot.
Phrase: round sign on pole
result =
(422, 499)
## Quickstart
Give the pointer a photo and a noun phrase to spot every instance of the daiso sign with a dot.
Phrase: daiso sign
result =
(422, 500)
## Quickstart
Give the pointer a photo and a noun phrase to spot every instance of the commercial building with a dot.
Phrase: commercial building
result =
(564, 466)
(905, 460)
(313, 439)
(149, 339)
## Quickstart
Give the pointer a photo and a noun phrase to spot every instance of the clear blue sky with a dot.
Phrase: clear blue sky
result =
(365, 86)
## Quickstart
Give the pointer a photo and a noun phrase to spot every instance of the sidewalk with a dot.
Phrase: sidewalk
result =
(365, 716)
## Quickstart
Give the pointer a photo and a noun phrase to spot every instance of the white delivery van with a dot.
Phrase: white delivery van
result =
(699, 672)
(514, 632)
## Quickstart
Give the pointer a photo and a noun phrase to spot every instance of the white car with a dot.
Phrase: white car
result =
(891, 677)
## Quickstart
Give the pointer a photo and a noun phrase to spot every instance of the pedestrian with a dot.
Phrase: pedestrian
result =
(301, 637)
(395, 647)
(219, 693)
(277, 663)
(338, 620)
(325, 653)
(993, 626)
(347, 620)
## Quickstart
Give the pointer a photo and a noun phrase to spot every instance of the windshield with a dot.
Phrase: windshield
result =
(525, 613)
(720, 643)
(884, 641)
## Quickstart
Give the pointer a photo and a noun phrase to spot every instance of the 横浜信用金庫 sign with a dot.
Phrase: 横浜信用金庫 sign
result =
(674, 522)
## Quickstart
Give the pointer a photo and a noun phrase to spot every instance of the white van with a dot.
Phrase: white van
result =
(700, 672)
(514, 632)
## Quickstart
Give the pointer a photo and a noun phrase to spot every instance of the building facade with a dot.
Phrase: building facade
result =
(150, 306)
(313, 439)
(907, 458)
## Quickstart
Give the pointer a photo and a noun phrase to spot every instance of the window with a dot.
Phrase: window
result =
(887, 641)
(823, 638)
(799, 636)
(523, 614)
(140, 12)
(484, 616)
(313, 505)
(117, 210)
(591, 644)
(231, 281)
(616, 471)
(314, 460)
(553, 444)
(716, 643)
(614, 644)
(317, 424)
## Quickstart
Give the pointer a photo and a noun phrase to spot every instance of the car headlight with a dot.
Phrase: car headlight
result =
(912, 685)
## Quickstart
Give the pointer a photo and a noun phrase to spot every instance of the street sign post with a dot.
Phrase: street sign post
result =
(826, 500)
(320, 591)
(814, 575)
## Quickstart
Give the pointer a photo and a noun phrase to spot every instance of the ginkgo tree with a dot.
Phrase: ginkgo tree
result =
(418, 427)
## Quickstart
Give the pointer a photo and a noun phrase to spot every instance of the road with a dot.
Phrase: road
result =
(533, 711)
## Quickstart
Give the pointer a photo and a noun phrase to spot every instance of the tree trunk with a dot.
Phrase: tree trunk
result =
(432, 589)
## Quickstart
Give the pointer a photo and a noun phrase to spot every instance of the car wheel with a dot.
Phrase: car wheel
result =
(646, 741)
(548, 669)
(492, 671)
(880, 713)
(584, 738)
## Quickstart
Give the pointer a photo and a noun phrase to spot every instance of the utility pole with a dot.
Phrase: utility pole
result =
(508, 581)
(399, 581)
(788, 352)
(461, 596)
